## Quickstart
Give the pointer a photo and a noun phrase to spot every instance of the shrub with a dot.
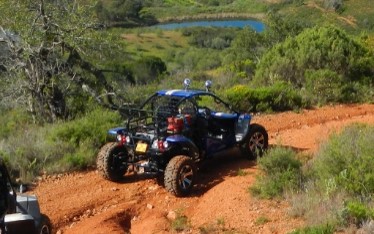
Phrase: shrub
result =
(148, 69)
(318, 48)
(281, 172)
(59, 147)
(12, 121)
(324, 86)
(92, 127)
(322, 229)
(354, 92)
(345, 162)
(339, 182)
(279, 97)
(357, 212)
(181, 222)
(262, 220)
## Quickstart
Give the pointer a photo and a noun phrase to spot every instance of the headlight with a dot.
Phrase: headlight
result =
(165, 144)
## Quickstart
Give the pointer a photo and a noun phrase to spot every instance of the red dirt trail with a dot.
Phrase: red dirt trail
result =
(86, 203)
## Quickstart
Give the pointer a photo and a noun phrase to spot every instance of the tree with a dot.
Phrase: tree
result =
(122, 12)
(317, 48)
(279, 27)
(54, 54)
(148, 69)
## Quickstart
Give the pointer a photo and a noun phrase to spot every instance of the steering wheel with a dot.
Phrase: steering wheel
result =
(205, 112)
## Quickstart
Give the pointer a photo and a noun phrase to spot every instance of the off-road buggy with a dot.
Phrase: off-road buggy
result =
(19, 213)
(173, 132)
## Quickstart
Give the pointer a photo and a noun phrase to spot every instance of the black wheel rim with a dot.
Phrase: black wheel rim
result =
(186, 177)
(44, 230)
(257, 144)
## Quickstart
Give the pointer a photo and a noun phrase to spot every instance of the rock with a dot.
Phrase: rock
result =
(149, 206)
(171, 215)
(153, 188)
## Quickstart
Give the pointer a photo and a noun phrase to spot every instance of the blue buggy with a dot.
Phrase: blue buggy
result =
(172, 132)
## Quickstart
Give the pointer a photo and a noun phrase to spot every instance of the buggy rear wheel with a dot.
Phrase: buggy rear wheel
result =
(111, 161)
(180, 175)
(256, 143)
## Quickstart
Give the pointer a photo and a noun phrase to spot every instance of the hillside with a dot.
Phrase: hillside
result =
(86, 203)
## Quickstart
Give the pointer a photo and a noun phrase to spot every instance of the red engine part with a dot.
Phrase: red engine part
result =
(175, 124)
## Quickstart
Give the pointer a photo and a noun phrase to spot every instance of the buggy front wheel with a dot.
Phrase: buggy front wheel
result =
(256, 142)
(180, 174)
(45, 226)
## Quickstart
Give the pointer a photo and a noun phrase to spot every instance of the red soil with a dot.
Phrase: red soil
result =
(86, 203)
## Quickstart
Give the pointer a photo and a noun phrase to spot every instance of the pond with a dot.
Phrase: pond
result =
(258, 26)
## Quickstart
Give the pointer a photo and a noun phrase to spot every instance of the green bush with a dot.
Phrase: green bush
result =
(27, 154)
(346, 162)
(181, 222)
(147, 69)
(322, 229)
(356, 92)
(281, 172)
(339, 181)
(324, 86)
(210, 37)
(13, 121)
(84, 137)
(59, 147)
(358, 212)
(279, 97)
(92, 127)
(318, 48)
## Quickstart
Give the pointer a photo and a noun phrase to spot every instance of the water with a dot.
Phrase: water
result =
(256, 25)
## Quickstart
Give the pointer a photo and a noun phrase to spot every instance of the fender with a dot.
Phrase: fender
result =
(179, 142)
(242, 127)
(28, 204)
(115, 131)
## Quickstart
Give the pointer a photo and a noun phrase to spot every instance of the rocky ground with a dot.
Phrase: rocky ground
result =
(86, 203)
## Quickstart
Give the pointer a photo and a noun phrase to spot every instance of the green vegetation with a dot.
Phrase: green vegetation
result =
(242, 172)
(278, 97)
(317, 57)
(262, 220)
(31, 150)
(323, 229)
(181, 222)
(328, 197)
(282, 172)
(66, 65)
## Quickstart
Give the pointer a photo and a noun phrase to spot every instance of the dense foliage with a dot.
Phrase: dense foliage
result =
(282, 172)
(315, 49)
(279, 97)
(53, 148)
(52, 52)
(61, 60)
(334, 189)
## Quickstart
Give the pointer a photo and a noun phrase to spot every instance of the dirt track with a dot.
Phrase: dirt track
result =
(86, 203)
